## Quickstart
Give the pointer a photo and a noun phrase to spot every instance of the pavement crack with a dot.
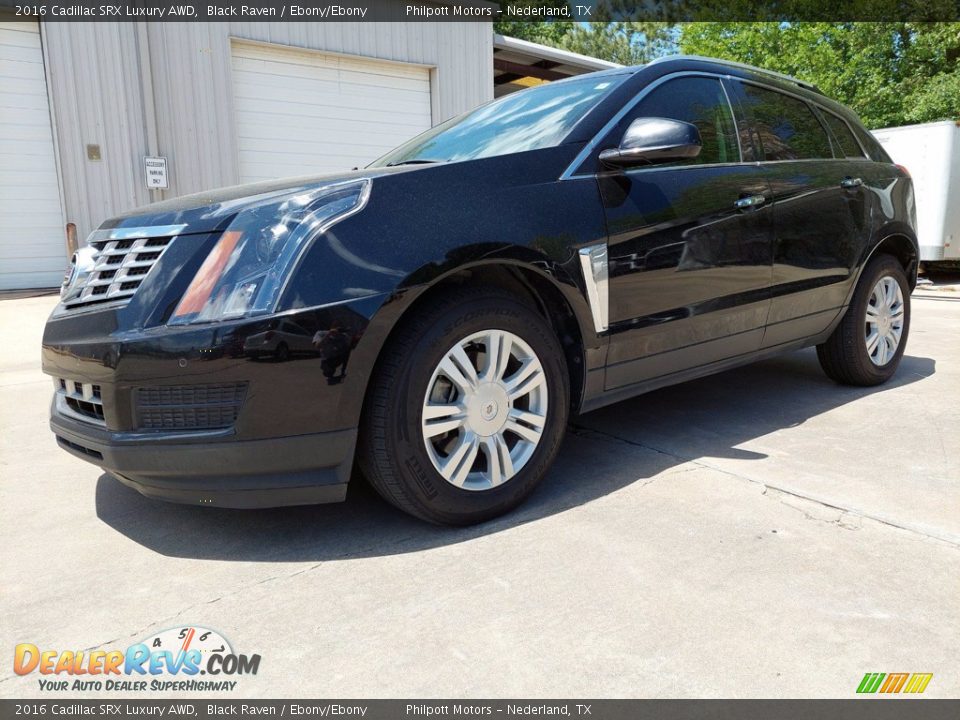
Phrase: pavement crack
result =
(846, 514)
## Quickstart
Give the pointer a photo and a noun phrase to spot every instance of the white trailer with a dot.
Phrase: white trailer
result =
(931, 153)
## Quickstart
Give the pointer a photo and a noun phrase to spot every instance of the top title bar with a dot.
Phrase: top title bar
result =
(481, 11)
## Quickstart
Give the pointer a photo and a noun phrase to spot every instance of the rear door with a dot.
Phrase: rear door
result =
(689, 243)
(820, 210)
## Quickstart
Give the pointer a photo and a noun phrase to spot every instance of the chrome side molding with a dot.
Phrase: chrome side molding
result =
(593, 262)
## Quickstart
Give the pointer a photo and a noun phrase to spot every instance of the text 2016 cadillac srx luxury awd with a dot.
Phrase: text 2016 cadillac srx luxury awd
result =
(435, 317)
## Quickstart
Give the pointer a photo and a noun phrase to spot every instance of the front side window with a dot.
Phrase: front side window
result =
(532, 119)
(849, 146)
(696, 100)
(786, 126)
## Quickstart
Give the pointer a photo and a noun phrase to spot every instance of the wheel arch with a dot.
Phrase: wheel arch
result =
(898, 240)
(556, 301)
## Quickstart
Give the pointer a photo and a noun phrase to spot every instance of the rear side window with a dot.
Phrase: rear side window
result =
(786, 126)
(696, 100)
(849, 146)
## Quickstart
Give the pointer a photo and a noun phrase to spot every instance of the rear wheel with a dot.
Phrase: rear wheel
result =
(466, 410)
(866, 347)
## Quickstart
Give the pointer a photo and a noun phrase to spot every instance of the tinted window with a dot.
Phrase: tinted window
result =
(787, 127)
(697, 100)
(528, 120)
(841, 131)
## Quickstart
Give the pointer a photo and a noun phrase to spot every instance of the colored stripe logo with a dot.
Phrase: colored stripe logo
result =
(894, 683)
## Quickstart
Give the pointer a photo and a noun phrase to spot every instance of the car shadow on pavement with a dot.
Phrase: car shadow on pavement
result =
(708, 417)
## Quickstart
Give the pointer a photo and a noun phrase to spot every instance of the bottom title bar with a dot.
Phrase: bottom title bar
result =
(868, 709)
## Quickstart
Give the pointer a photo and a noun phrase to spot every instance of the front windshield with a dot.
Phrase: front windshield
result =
(527, 120)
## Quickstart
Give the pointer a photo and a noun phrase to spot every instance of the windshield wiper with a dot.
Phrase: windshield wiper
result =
(414, 162)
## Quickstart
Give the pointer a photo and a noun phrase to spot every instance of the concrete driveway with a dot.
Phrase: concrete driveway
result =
(760, 533)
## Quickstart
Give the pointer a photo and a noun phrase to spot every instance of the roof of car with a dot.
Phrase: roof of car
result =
(738, 66)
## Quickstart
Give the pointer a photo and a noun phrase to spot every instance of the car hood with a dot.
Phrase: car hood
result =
(213, 210)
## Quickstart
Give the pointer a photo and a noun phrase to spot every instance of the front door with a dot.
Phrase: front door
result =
(689, 244)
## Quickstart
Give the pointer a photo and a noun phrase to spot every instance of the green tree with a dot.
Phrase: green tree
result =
(545, 32)
(624, 42)
(889, 73)
(612, 36)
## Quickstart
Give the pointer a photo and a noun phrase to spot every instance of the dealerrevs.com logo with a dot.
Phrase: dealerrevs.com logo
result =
(177, 659)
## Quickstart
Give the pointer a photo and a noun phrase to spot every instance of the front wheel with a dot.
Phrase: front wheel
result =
(866, 347)
(466, 410)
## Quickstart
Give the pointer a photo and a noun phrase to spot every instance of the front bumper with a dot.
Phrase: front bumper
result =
(210, 470)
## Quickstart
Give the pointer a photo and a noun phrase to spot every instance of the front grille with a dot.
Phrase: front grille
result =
(189, 407)
(116, 269)
(79, 400)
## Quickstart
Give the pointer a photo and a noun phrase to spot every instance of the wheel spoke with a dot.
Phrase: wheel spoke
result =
(873, 314)
(441, 427)
(499, 464)
(435, 412)
(503, 453)
(528, 434)
(460, 374)
(525, 379)
(890, 291)
(538, 421)
(884, 350)
(499, 347)
(872, 341)
(457, 467)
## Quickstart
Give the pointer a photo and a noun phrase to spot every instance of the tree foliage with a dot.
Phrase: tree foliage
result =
(611, 36)
(889, 73)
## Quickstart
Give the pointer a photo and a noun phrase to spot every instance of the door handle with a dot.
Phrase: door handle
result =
(750, 201)
(848, 183)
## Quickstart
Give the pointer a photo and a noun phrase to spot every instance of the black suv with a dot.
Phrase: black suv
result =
(438, 315)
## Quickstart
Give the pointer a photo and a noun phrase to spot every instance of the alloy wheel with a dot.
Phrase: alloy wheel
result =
(485, 410)
(884, 320)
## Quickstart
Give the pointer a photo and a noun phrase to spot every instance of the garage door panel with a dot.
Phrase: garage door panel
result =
(39, 279)
(300, 113)
(335, 120)
(272, 145)
(303, 98)
(18, 101)
(265, 73)
(250, 54)
(21, 116)
(19, 34)
(32, 252)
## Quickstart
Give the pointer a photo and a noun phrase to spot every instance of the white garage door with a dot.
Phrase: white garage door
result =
(32, 250)
(301, 113)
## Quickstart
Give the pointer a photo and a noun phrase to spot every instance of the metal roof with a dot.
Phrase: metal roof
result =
(519, 63)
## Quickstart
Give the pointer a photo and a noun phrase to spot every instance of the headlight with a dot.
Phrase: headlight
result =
(247, 269)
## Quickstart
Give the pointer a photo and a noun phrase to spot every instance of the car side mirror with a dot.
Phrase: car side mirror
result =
(654, 140)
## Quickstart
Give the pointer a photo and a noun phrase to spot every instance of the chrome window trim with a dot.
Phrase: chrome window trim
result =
(591, 146)
(594, 264)
(863, 150)
(818, 108)
(743, 66)
(736, 130)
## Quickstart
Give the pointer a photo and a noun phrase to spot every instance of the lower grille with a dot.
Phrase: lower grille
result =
(95, 454)
(189, 407)
(79, 400)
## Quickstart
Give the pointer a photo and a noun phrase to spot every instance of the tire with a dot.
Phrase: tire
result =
(394, 453)
(845, 356)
